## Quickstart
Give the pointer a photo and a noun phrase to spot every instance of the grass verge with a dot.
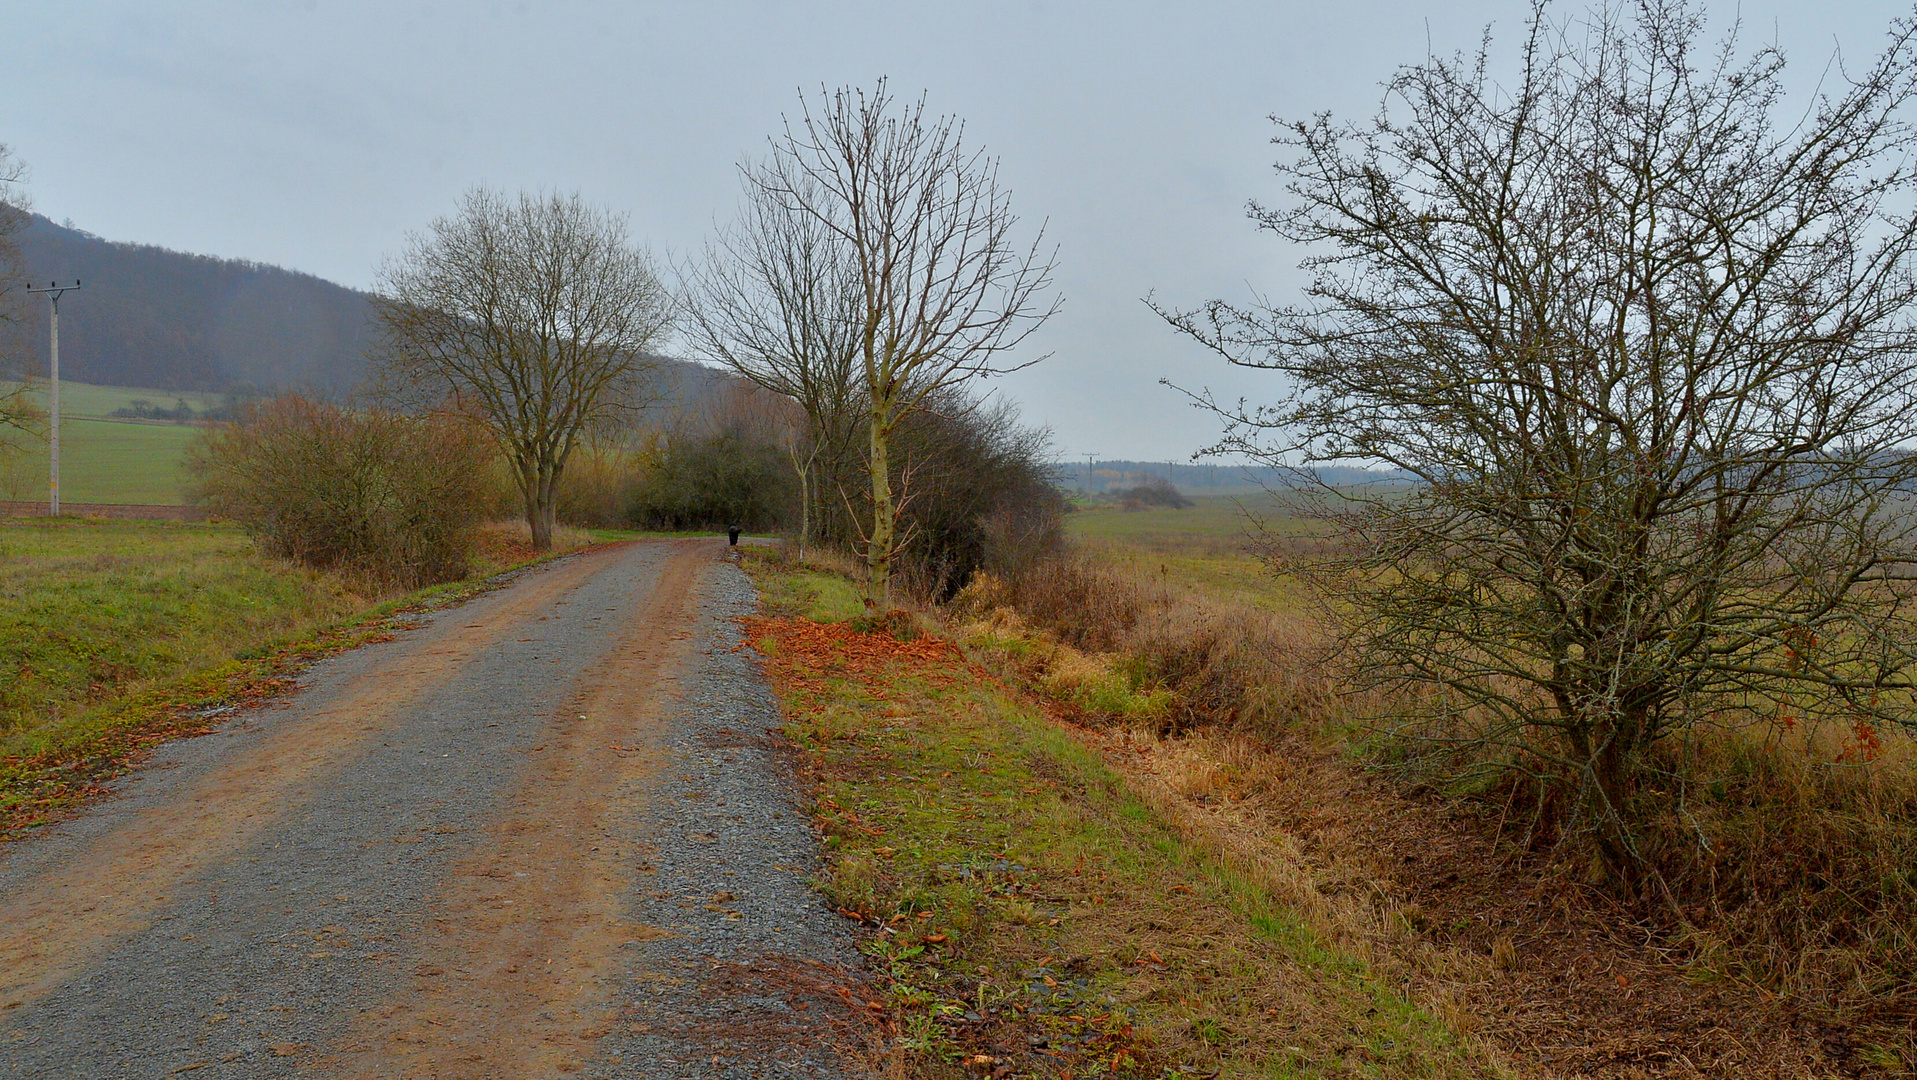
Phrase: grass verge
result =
(1030, 914)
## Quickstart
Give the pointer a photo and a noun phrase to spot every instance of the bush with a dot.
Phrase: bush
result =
(385, 497)
(598, 489)
(715, 482)
(977, 494)
(1153, 493)
(1229, 665)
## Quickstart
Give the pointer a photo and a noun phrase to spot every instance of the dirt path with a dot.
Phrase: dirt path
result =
(544, 833)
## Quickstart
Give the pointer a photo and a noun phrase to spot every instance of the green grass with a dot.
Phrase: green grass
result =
(102, 459)
(91, 611)
(812, 594)
(1024, 885)
(1211, 547)
(88, 400)
(105, 461)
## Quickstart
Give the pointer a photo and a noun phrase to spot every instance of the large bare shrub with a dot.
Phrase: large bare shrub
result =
(390, 498)
(1226, 664)
(1644, 343)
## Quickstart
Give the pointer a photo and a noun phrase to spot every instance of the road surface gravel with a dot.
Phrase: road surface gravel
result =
(546, 832)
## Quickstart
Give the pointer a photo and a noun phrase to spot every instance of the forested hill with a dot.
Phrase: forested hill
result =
(156, 318)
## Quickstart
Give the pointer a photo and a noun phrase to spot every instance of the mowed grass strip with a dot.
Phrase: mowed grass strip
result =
(1030, 914)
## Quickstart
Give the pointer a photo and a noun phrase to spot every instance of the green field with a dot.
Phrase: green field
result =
(104, 460)
(98, 402)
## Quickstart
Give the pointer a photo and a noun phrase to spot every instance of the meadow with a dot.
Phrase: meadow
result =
(1208, 547)
(104, 459)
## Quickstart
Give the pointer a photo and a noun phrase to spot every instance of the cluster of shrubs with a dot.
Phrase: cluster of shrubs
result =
(1153, 495)
(394, 500)
(180, 412)
(714, 482)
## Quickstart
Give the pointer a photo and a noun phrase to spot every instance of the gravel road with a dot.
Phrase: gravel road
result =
(546, 832)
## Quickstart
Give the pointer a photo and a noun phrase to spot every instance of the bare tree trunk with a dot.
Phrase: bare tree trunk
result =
(805, 500)
(540, 482)
(878, 546)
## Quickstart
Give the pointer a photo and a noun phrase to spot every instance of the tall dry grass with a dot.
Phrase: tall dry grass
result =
(1782, 857)
(1224, 664)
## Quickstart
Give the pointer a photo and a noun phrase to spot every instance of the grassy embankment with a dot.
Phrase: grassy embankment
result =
(1032, 914)
(103, 459)
(1195, 676)
(1791, 938)
(113, 633)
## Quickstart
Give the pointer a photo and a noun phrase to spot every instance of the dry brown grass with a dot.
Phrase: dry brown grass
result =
(509, 543)
(1225, 664)
(1783, 947)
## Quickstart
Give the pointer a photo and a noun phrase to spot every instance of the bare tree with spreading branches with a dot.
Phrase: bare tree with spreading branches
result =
(945, 290)
(539, 313)
(776, 298)
(18, 413)
(1646, 354)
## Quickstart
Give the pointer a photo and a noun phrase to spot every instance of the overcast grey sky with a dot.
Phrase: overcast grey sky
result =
(314, 135)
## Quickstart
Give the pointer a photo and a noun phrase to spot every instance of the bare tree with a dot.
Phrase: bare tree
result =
(1648, 358)
(18, 413)
(538, 312)
(776, 298)
(944, 288)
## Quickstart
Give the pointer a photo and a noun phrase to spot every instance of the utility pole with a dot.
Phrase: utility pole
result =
(1088, 473)
(54, 291)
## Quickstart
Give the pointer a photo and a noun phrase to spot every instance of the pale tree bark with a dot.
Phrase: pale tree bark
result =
(538, 313)
(1641, 344)
(945, 291)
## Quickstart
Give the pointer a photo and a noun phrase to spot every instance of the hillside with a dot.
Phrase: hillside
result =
(151, 317)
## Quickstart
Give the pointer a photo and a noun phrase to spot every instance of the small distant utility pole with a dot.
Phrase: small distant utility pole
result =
(54, 291)
(1088, 472)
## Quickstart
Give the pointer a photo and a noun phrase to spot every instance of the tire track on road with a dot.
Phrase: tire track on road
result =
(517, 977)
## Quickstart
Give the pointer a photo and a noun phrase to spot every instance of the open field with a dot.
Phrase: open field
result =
(1208, 547)
(87, 400)
(105, 461)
